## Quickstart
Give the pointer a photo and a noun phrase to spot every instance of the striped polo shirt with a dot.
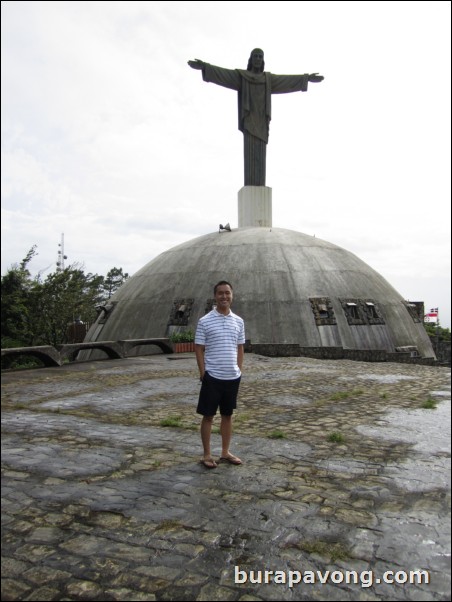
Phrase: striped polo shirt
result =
(220, 335)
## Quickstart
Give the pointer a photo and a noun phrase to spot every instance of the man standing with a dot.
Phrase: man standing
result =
(219, 348)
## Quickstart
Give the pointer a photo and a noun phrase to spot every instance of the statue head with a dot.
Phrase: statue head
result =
(256, 60)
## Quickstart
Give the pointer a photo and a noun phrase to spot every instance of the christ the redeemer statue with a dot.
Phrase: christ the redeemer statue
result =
(254, 87)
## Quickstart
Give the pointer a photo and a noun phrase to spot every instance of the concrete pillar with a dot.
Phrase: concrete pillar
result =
(255, 207)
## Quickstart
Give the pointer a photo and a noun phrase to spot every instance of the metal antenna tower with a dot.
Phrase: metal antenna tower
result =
(61, 256)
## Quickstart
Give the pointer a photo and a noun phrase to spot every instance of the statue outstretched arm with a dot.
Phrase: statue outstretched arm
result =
(281, 84)
(315, 78)
(228, 78)
(197, 64)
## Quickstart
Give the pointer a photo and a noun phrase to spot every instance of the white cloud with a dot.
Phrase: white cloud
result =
(109, 136)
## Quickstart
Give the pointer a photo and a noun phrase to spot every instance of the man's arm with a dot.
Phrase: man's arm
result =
(240, 355)
(199, 352)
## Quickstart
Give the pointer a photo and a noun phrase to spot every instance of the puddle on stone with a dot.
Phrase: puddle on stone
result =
(382, 378)
(429, 432)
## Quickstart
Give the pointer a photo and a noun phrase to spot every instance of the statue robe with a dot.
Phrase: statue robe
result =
(254, 109)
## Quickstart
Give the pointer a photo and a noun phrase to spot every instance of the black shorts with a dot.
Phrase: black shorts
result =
(215, 392)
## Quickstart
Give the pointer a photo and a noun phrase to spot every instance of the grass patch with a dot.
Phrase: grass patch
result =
(340, 395)
(336, 437)
(430, 404)
(277, 435)
(335, 551)
(169, 525)
(243, 417)
(345, 394)
(174, 421)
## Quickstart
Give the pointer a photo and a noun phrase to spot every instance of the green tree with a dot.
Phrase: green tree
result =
(443, 334)
(64, 297)
(17, 286)
(114, 279)
(38, 311)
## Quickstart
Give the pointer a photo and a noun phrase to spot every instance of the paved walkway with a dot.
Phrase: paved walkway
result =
(346, 476)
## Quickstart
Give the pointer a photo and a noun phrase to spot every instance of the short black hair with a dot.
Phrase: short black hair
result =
(220, 284)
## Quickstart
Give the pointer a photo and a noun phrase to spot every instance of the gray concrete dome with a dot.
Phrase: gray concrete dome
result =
(289, 287)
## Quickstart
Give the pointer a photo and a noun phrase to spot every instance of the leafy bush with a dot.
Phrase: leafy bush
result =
(187, 336)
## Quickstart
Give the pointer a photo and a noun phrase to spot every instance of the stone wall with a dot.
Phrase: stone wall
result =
(442, 350)
(330, 353)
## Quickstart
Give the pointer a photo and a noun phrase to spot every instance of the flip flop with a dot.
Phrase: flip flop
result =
(231, 459)
(209, 462)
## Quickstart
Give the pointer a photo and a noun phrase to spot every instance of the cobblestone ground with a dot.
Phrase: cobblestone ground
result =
(346, 476)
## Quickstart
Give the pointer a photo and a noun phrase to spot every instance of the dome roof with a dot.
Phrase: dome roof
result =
(290, 288)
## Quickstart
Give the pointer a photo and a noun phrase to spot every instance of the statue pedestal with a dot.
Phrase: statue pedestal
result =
(255, 207)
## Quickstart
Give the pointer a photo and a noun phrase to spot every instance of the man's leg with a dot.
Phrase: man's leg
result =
(206, 430)
(226, 435)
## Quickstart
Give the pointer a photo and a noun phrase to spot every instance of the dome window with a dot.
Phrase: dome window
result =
(372, 312)
(180, 312)
(323, 311)
(354, 313)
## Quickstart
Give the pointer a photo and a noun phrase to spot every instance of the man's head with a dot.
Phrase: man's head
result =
(256, 61)
(221, 283)
(223, 296)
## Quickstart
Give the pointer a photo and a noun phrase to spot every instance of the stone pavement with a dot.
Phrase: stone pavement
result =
(346, 476)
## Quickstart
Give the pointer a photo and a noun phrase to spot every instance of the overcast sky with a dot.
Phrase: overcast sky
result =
(109, 137)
